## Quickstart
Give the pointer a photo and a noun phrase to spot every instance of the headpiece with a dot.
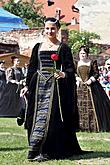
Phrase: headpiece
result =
(85, 48)
(52, 20)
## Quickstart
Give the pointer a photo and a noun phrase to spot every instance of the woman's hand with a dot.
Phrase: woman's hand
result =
(78, 79)
(14, 82)
(88, 82)
(23, 91)
(59, 74)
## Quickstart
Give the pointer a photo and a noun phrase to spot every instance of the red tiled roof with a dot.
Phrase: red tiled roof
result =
(66, 10)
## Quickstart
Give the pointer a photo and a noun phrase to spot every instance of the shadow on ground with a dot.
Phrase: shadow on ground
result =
(13, 149)
(95, 154)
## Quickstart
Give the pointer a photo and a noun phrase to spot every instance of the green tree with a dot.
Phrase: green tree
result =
(77, 39)
(29, 12)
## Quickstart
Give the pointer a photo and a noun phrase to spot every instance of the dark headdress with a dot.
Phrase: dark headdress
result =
(85, 48)
(53, 20)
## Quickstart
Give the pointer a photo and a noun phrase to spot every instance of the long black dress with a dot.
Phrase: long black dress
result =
(93, 103)
(47, 133)
(11, 103)
(2, 82)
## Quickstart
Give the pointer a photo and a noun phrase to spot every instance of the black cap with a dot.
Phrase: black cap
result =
(53, 20)
(13, 57)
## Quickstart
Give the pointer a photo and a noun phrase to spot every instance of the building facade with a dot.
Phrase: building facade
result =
(95, 17)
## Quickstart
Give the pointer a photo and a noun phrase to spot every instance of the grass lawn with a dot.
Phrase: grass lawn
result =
(14, 147)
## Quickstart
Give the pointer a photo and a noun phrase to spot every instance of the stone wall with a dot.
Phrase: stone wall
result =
(25, 39)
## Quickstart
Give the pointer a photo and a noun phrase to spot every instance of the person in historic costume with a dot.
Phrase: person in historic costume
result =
(52, 114)
(12, 103)
(93, 103)
(2, 78)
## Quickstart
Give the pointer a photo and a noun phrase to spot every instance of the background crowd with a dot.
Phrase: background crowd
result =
(12, 79)
(7, 77)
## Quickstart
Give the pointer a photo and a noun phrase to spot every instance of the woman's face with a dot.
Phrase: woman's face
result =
(82, 54)
(50, 30)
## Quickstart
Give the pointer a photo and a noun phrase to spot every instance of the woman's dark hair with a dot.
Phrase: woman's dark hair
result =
(85, 48)
(53, 20)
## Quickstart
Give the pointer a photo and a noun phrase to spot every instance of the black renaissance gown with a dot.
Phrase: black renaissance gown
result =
(11, 103)
(2, 82)
(93, 103)
(47, 133)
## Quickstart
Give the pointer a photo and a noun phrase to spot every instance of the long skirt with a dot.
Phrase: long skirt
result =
(94, 108)
(10, 103)
(46, 131)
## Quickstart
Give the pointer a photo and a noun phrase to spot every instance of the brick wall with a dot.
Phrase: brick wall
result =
(21, 41)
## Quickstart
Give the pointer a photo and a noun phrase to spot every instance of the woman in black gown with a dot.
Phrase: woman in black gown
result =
(93, 103)
(52, 116)
(2, 78)
(12, 102)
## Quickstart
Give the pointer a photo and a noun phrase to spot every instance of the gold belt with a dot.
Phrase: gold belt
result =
(42, 75)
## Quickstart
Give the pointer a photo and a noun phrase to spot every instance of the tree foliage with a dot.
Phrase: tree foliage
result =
(27, 11)
(77, 39)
